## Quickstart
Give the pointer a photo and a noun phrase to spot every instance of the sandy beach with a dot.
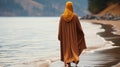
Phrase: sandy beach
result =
(109, 57)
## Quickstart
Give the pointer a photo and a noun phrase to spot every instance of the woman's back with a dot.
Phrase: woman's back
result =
(71, 36)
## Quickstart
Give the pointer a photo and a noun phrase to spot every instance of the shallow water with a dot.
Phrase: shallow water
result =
(29, 39)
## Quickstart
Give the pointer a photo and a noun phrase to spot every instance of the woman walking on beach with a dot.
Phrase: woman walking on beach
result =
(71, 36)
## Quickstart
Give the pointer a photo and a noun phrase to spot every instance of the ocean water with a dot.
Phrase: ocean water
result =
(33, 40)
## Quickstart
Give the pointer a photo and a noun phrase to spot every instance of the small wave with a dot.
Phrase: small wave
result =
(98, 49)
(38, 63)
(106, 45)
(103, 46)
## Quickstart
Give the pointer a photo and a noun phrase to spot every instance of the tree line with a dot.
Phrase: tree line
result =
(96, 6)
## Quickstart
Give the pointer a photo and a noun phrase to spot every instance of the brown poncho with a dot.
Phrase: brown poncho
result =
(71, 36)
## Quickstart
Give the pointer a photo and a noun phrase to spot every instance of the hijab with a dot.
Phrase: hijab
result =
(68, 13)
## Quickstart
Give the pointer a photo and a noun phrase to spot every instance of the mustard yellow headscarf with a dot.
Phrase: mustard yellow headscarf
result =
(68, 13)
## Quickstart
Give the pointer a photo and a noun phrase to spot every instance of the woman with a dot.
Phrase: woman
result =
(71, 36)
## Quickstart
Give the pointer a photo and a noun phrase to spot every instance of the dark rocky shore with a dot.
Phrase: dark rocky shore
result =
(104, 17)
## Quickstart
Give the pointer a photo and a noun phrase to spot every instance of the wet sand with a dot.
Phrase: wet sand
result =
(101, 58)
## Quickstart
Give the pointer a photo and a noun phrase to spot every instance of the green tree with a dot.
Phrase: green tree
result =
(95, 6)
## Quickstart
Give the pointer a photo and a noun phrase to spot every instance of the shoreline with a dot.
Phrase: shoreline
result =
(103, 58)
(113, 30)
(115, 24)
